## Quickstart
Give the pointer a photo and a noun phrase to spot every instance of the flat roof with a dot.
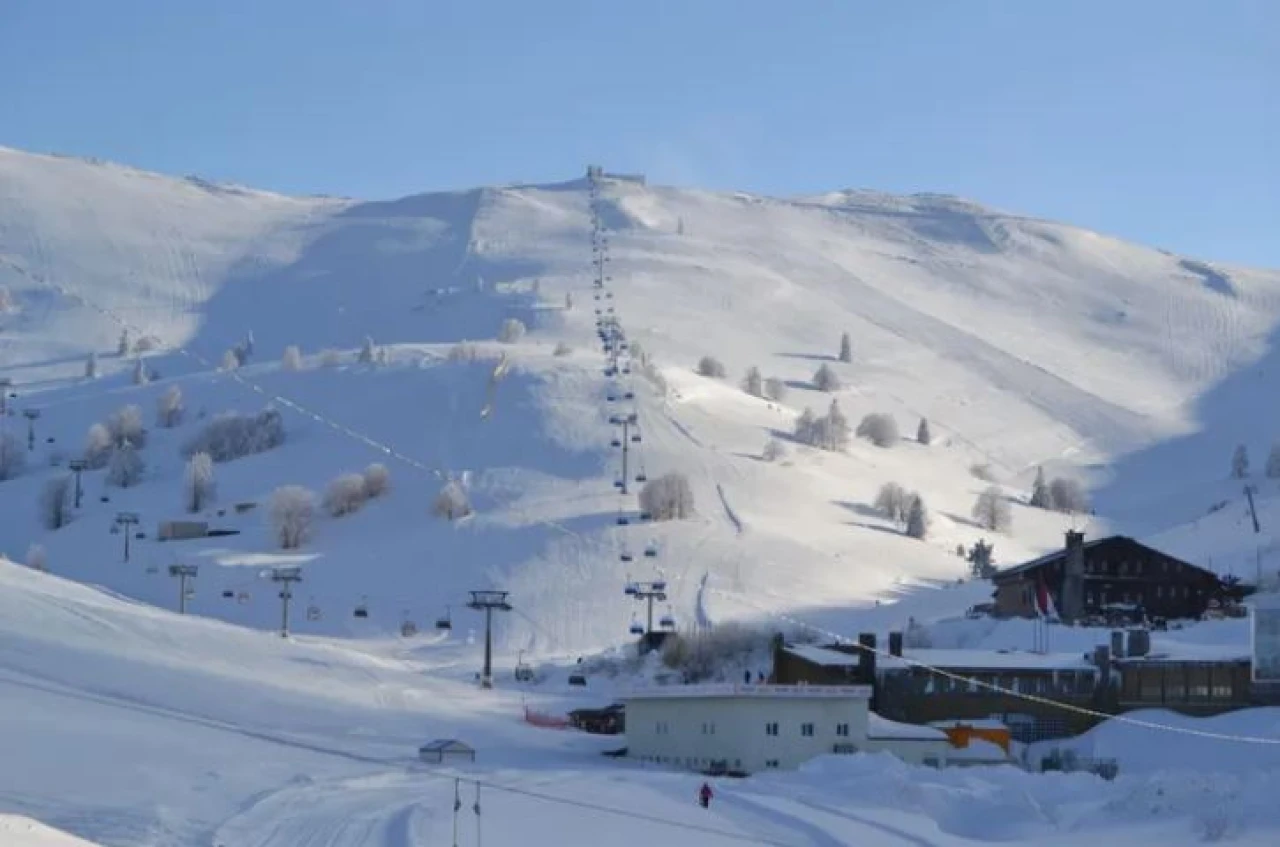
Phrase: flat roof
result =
(730, 690)
(949, 659)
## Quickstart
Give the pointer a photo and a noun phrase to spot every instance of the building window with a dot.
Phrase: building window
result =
(708, 729)
(806, 729)
(662, 728)
(771, 729)
(771, 763)
(842, 729)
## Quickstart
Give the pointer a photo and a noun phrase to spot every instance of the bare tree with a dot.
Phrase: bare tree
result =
(13, 457)
(126, 466)
(710, 366)
(846, 348)
(775, 389)
(669, 497)
(37, 558)
(825, 379)
(917, 518)
(833, 431)
(1040, 497)
(198, 485)
(169, 408)
(292, 358)
(892, 501)
(923, 435)
(345, 494)
(452, 502)
(377, 480)
(511, 331)
(97, 447)
(880, 429)
(230, 435)
(291, 512)
(125, 424)
(753, 383)
(91, 366)
(991, 510)
(1240, 462)
(55, 503)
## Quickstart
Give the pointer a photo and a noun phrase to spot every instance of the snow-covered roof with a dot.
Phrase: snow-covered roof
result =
(721, 690)
(1182, 651)
(978, 750)
(823, 656)
(1024, 660)
(979, 723)
(878, 727)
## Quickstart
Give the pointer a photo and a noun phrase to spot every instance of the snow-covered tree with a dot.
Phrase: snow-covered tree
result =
(368, 352)
(710, 366)
(290, 513)
(169, 408)
(97, 447)
(345, 494)
(834, 430)
(330, 358)
(124, 344)
(511, 331)
(923, 435)
(230, 435)
(91, 366)
(1273, 462)
(981, 564)
(806, 427)
(464, 351)
(667, 498)
(753, 383)
(230, 360)
(6, 300)
(1040, 497)
(125, 424)
(879, 428)
(773, 450)
(638, 353)
(775, 389)
(125, 467)
(892, 501)
(917, 517)
(1240, 462)
(991, 510)
(55, 503)
(825, 379)
(292, 358)
(452, 502)
(13, 457)
(198, 483)
(377, 480)
(846, 348)
(37, 558)
(140, 374)
(1067, 495)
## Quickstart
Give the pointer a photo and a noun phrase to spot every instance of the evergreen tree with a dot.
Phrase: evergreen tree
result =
(825, 379)
(1240, 462)
(753, 383)
(91, 366)
(1040, 492)
(846, 348)
(917, 518)
(922, 432)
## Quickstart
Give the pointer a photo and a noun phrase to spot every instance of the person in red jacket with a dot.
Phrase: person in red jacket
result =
(705, 794)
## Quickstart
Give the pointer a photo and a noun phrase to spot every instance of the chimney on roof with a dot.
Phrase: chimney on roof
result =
(895, 644)
(867, 658)
(1073, 577)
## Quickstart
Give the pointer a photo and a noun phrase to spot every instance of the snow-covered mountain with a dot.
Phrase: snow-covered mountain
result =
(1024, 343)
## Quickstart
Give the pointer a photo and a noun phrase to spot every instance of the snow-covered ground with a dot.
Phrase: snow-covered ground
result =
(1025, 343)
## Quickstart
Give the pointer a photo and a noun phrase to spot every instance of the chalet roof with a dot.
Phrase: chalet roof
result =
(878, 727)
(446, 745)
(1060, 553)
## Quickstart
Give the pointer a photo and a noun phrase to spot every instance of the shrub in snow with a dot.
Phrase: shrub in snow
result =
(125, 424)
(198, 485)
(711, 367)
(773, 450)
(125, 467)
(923, 436)
(846, 348)
(991, 511)
(344, 495)
(37, 558)
(892, 501)
(13, 456)
(91, 366)
(825, 379)
(562, 349)
(880, 429)
(330, 358)
(1067, 495)
(511, 331)
(917, 517)
(1240, 462)
(290, 513)
(55, 503)
(452, 502)
(230, 435)
(775, 389)
(377, 480)
(169, 408)
(368, 353)
(667, 498)
(140, 375)
(123, 345)
(1273, 462)
(753, 382)
(292, 358)
(1040, 497)
(709, 654)
(97, 447)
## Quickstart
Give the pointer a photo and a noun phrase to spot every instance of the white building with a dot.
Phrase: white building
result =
(750, 728)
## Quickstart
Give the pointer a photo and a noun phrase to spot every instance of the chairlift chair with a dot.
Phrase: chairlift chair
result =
(445, 623)
(313, 612)
(623, 520)
(626, 556)
(408, 627)
(228, 594)
(115, 529)
(635, 439)
(667, 621)
(243, 597)
(362, 610)
(616, 442)
(617, 483)
(630, 589)
(152, 570)
(660, 585)
(646, 516)
(630, 395)
(651, 550)
(636, 627)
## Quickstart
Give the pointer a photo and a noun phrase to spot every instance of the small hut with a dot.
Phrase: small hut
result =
(444, 751)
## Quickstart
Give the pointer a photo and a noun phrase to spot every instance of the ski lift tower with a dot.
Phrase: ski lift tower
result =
(487, 601)
(124, 523)
(648, 592)
(32, 415)
(183, 573)
(628, 423)
(285, 577)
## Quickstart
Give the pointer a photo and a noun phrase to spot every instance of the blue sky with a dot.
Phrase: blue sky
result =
(1156, 121)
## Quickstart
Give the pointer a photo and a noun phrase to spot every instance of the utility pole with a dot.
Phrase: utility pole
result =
(31, 415)
(285, 577)
(77, 467)
(488, 601)
(183, 573)
(124, 522)
(626, 422)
